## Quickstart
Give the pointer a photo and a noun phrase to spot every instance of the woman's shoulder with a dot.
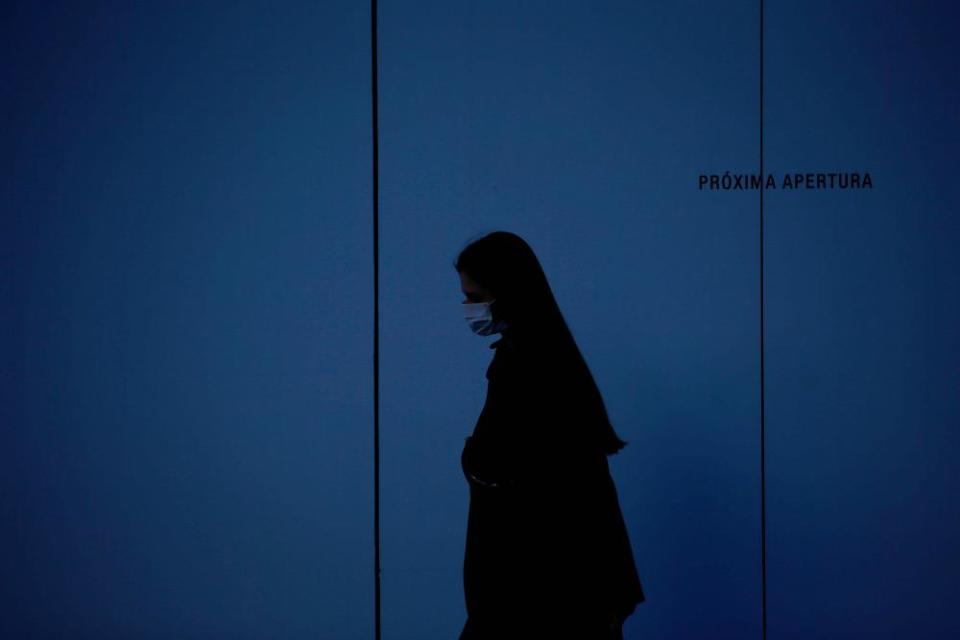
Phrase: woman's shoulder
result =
(506, 359)
(513, 356)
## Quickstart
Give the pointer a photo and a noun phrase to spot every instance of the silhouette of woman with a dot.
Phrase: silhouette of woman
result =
(547, 551)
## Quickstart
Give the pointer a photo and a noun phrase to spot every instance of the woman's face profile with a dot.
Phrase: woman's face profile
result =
(472, 291)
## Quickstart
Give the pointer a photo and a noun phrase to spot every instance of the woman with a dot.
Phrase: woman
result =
(547, 553)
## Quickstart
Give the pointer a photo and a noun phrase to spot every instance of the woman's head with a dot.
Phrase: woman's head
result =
(500, 268)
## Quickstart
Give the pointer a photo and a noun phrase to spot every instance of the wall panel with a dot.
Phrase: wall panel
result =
(583, 127)
(186, 340)
(862, 317)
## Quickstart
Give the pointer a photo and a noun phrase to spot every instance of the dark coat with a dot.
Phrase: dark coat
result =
(547, 550)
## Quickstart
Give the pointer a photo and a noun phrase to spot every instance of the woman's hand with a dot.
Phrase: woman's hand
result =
(482, 466)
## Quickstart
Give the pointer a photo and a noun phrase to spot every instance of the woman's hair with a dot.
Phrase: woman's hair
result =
(505, 265)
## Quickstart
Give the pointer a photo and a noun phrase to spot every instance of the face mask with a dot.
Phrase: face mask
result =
(480, 319)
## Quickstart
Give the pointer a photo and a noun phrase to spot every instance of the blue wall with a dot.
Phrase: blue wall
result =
(583, 130)
(863, 316)
(187, 338)
(187, 325)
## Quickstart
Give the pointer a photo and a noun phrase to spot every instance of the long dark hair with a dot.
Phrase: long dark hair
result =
(505, 265)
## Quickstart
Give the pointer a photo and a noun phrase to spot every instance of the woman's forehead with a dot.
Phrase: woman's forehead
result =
(469, 284)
